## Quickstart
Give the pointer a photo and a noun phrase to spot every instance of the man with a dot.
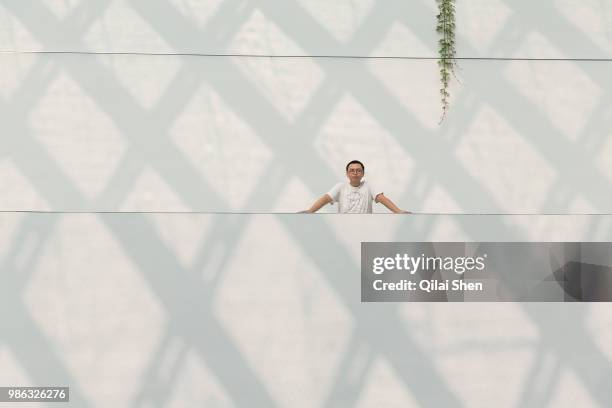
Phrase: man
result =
(356, 196)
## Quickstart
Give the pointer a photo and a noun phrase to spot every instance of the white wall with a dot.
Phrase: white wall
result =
(258, 134)
(263, 310)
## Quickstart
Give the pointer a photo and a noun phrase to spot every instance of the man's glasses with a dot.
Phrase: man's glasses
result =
(355, 171)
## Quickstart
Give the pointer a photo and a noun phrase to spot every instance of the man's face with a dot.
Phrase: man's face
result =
(354, 173)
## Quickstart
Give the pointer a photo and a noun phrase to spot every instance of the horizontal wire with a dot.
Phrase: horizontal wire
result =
(194, 54)
(298, 56)
(287, 213)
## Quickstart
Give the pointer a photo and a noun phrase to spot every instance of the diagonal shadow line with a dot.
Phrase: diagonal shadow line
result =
(122, 110)
(273, 128)
(229, 233)
(523, 18)
(217, 30)
(377, 24)
(393, 117)
(383, 331)
(560, 193)
(169, 147)
(515, 43)
(40, 359)
(155, 390)
(79, 19)
(531, 395)
(86, 81)
(593, 173)
(194, 190)
(576, 35)
(36, 81)
(255, 118)
(29, 165)
(177, 96)
(27, 244)
(565, 152)
(566, 31)
(67, 183)
(565, 348)
(347, 386)
(15, 112)
(124, 178)
(295, 20)
(138, 133)
(507, 37)
(84, 15)
(221, 225)
(384, 118)
(166, 277)
(31, 147)
(221, 233)
(592, 138)
(526, 15)
(451, 184)
(564, 34)
(365, 96)
(569, 148)
(37, 356)
(161, 118)
(25, 151)
(593, 379)
(193, 32)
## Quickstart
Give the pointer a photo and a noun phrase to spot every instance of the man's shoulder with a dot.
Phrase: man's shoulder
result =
(366, 184)
(337, 187)
(373, 188)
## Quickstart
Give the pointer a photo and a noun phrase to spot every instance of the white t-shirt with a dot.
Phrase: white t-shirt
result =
(354, 200)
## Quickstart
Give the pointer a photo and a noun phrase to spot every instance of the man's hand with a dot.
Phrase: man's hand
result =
(321, 201)
(381, 198)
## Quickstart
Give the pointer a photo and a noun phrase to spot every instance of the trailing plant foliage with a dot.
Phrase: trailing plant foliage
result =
(446, 49)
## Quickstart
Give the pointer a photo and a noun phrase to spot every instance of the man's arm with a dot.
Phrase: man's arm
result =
(380, 198)
(323, 200)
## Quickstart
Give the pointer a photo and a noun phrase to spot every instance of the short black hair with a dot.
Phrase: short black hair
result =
(355, 162)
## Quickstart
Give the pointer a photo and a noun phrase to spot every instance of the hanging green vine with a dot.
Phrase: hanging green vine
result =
(446, 49)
